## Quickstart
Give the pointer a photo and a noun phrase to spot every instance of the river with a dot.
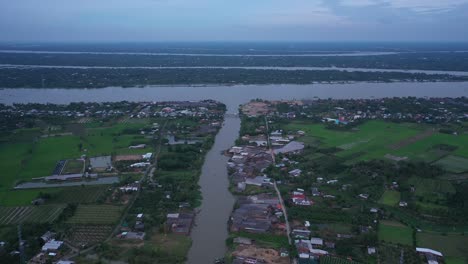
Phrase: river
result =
(210, 232)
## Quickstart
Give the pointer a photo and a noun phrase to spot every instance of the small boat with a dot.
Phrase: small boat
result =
(219, 261)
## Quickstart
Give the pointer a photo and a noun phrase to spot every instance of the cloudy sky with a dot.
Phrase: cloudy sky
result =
(238, 20)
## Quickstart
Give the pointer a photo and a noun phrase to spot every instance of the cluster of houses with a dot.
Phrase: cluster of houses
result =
(135, 233)
(299, 197)
(257, 214)
(343, 112)
(51, 251)
(203, 109)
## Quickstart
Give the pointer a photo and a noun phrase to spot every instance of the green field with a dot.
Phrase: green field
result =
(391, 198)
(96, 214)
(375, 139)
(46, 153)
(22, 197)
(29, 214)
(13, 157)
(454, 164)
(395, 232)
(452, 245)
(428, 187)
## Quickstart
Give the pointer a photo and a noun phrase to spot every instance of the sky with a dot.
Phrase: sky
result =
(234, 20)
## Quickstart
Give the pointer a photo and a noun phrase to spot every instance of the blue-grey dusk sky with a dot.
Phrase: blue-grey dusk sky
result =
(235, 20)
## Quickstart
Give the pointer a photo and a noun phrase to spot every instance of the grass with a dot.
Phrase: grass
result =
(395, 232)
(391, 198)
(373, 139)
(452, 245)
(265, 240)
(454, 164)
(22, 197)
(12, 156)
(173, 244)
(455, 260)
(95, 214)
(47, 152)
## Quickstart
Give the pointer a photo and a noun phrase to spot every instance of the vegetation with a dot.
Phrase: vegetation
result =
(98, 78)
(394, 232)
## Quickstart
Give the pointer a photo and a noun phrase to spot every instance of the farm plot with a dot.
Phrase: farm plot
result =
(86, 235)
(81, 195)
(73, 167)
(96, 214)
(428, 187)
(394, 232)
(454, 164)
(29, 214)
(333, 260)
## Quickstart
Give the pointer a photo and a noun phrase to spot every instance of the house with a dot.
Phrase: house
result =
(331, 181)
(293, 147)
(139, 146)
(403, 204)
(371, 250)
(52, 246)
(432, 256)
(315, 191)
(301, 233)
(140, 164)
(132, 235)
(147, 156)
(295, 173)
(38, 201)
(180, 223)
(243, 241)
(316, 241)
(363, 196)
(48, 236)
(429, 251)
(258, 181)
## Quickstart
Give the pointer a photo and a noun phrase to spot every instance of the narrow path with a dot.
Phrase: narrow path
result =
(283, 207)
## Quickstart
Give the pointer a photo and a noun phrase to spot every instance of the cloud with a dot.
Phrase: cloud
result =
(297, 13)
(418, 6)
